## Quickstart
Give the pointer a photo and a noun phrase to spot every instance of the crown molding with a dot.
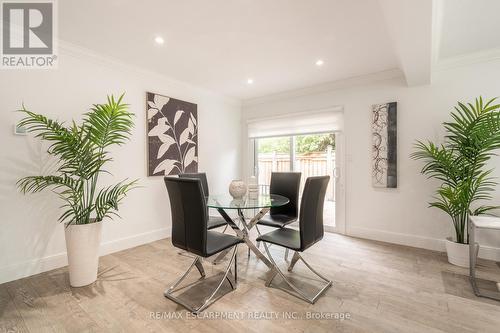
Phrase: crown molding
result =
(329, 109)
(329, 86)
(82, 53)
(467, 59)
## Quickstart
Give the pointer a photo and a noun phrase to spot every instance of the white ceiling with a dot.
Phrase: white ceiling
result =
(218, 44)
(468, 26)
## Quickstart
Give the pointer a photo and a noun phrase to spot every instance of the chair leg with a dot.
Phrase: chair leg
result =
(312, 269)
(258, 243)
(210, 299)
(295, 258)
(258, 231)
(286, 254)
(199, 266)
(271, 275)
(235, 269)
(235, 273)
(220, 256)
(296, 291)
(172, 288)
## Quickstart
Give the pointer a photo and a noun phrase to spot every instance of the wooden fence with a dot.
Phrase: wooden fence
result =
(310, 164)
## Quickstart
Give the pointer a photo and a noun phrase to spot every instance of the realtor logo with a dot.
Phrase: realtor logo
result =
(28, 34)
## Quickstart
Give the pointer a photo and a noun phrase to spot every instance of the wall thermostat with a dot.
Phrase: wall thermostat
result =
(20, 130)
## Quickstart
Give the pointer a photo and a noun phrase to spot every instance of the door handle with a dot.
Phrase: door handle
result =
(336, 172)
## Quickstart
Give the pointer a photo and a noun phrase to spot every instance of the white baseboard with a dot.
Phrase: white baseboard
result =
(485, 252)
(135, 240)
(48, 263)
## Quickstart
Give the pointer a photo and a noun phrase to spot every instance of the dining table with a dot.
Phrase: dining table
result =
(225, 205)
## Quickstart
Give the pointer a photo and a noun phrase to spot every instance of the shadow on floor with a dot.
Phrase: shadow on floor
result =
(195, 291)
(459, 285)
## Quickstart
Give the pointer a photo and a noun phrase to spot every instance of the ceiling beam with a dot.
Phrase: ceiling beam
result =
(409, 23)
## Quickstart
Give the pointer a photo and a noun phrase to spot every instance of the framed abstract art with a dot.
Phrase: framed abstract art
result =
(384, 145)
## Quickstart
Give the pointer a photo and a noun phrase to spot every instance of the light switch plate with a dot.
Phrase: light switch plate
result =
(20, 130)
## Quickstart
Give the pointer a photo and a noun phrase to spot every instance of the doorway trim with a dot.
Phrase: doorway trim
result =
(340, 188)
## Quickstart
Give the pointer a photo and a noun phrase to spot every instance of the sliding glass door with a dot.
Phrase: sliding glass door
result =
(273, 155)
(310, 154)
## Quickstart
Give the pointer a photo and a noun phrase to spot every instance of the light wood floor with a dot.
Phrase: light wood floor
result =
(383, 287)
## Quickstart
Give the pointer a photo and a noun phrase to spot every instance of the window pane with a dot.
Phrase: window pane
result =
(315, 156)
(312, 155)
(273, 154)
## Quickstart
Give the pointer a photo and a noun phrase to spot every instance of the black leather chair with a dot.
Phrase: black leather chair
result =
(310, 231)
(190, 233)
(213, 221)
(286, 184)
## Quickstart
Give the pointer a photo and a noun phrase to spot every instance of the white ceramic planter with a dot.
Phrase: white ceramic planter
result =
(237, 189)
(82, 243)
(458, 254)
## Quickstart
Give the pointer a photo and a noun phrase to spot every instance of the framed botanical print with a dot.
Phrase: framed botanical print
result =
(172, 139)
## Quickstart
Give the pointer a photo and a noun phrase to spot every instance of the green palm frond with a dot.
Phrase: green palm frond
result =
(472, 138)
(484, 209)
(77, 154)
(439, 162)
(33, 184)
(109, 124)
(82, 156)
(107, 200)
(43, 127)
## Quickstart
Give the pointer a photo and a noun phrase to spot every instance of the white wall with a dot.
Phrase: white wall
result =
(31, 239)
(394, 215)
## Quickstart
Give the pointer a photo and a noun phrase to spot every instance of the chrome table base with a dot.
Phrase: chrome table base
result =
(243, 232)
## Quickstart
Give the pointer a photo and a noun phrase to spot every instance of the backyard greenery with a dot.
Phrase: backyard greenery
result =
(304, 143)
(82, 151)
(460, 163)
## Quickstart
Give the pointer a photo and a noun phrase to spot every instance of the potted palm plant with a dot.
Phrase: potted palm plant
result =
(460, 165)
(82, 151)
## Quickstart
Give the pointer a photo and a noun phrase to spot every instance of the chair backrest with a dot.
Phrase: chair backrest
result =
(286, 184)
(201, 176)
(189, 214)
(311, 211)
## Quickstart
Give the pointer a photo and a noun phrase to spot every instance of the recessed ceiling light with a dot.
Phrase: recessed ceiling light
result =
(319, 62)
(159, 40)
(250, 81)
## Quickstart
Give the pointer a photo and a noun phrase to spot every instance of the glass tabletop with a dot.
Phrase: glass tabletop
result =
(225, 201)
